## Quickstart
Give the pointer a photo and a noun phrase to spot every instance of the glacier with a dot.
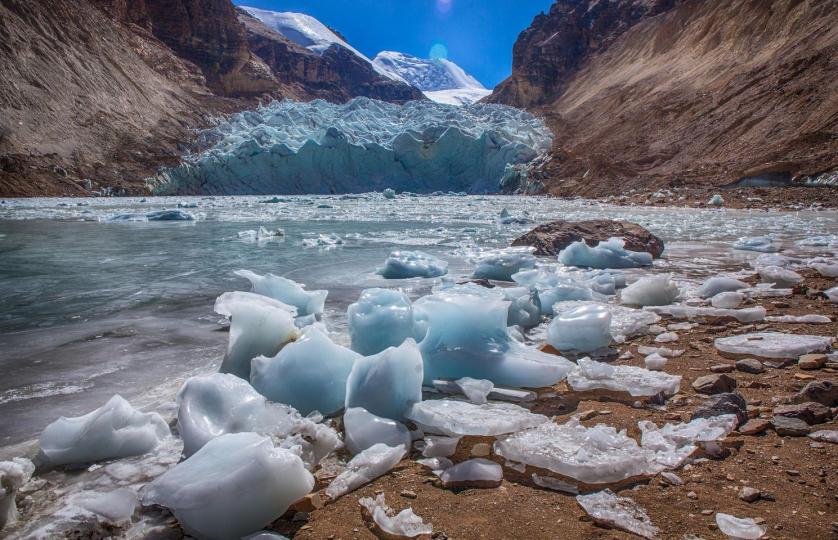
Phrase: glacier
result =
(289, 147)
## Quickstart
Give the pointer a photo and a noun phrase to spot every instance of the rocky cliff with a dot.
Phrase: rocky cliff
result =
(650, 93)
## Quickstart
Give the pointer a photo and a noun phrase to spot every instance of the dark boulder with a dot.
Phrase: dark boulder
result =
(550, 238)
(727, 403)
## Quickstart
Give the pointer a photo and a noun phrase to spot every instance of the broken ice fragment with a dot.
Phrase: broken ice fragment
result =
(825, 435)
(112, 431)
(410, 264)
(380, 318)
(799, 319)
(437, 446)
(773, 344)
(497, 393)
(117, 506)
(727, 300)
(405, 524)
(388, 383)
(233, 486)
(584, 329)
(458, 418)
(615, 512)
(636, 381)
(364, 468)
(720, 284)
(475, 390)
(501, 264)
(364, 429)
(780, 277)
(477, 473)
(286, 291)
(751, 314)
(14, 475)
(651, 291)
(758, 243)
(626, 322)
(655, 362)
(607, 254)
(674, 443)
(832, 294)
(740, 528)
(555, 484)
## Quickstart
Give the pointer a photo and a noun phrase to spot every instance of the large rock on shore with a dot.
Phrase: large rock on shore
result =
(550, 238)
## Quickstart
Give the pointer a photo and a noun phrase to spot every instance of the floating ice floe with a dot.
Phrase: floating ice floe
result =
(213, 405)
(720, 284)
(476, 390)
(727, 300)
(799, 319)
(233, 486)
(259, 326)
(673, 444)
(636, 381)
(826, 240)
(115, 430)
(583, 328)
(773, 344)
(501, 264)
(380, 318)
(324, 241)
(781, 277)
(364, 429)
(651, 291)
(477, 472)
(678, 311)
(764, 244)
(613, 512)
(287, 291)
(459, 418)
(409, 264)
(626, 322)
(467, 336)
(262, 234)
(158, 215)
(608, 254)
(505, 218)
(14, 475)
(388, 383)
(389, 193)
(308, 374)
(365, 467)
(405, 524)
(739, 528)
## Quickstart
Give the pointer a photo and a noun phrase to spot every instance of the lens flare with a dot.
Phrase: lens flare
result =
(443, 6)
(438, 51)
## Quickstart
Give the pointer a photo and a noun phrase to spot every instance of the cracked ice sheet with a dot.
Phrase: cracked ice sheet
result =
(677, 311)
(622, 513)
(773, 344)
(459, 418)
(673, 444)
(638, 382)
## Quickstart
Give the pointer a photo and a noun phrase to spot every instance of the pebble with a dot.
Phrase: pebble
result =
(692, 495)
(722, 368)
(749, 494)
(717, 383)
(804, 377)
(754, 426)
(481, 450)
(407, 494)
(750, 365)
(811, 361)
(587, 415)
(672, 478)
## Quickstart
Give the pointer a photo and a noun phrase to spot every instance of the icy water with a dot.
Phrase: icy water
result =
(92, 307)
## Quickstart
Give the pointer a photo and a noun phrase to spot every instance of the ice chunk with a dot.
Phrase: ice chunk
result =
(409, 264)
(666, 337)
(233, 486)
(308, 374)
(771, 259)
(716, 200)
(727, 300)
(260, 235)
(436, 464)
(651, 291)
(405, 524)
(364, 429)
(459, 418)
(497, 393)
(388, 383)
(800, 319)
(476, 472)
(524, 307)
(773, 344)
(764, 244)
(389, 193)
(655, 362)
(158, 215)
(112, 431)
(739, 528)
(506, 218)
(212, 405)
(14, 475)
(380, 318)
(258, 326)
(117, 506)
(286, 291)
(825, 435)
(615, 512)
(264, 535)
(555, 484)
(752, 314)
(832, 294)
(323, 241)
(373, 462)
(638, 382)
(596, 455)
(437, 446)
(663, 351)
(626, 322)
(608, 254)
(720, 284)
(781, 277)
(826, 270)
(674, 443)
(584, 329)
(501, 264)
(475, 390)
(466, 336)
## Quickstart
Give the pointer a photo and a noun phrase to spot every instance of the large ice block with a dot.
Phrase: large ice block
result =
(380, 318)
(388, 383)
(773, 344)
(286, 291)
(583, 328)
(409, 264)
(657, 290)
(501, 264)
(608, 254)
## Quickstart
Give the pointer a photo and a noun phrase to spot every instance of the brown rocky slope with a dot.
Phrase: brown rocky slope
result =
(651, 93)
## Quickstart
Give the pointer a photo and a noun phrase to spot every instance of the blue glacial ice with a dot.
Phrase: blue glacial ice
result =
(657, 290)
(409, 264)
(233, 486)
(553, 287)
(524, 304)
(582, 328)
(502, 263)
(388, 383)
(363, 145)
(115, 430)
(380, 318)
(765, 244)
(364, 429)
(259, 326)
(157, 215)
(308, 374)
(287, 291)
(608, 254)
(718, 284)
(466, 336)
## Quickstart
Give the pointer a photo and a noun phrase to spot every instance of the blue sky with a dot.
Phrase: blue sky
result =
(478, 34)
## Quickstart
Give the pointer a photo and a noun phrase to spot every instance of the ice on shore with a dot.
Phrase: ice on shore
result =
(476, 390)
(477, 472)
(553, 288)
(524, 306)
(437, 446)
(583, 328)
(116, 507)
(764, 244)
(115, 430)
(832, 294)
(501, 264)
(388, 383)
(497, 393)
(157, 215)
(364, 429)
(220, 403)
(655, 362)
(636, 381)
(405, 524)
(365, 467)
(626, 322)
(410, 264)
(720, 284)
(739, 528)
(380, 318)
(233, 486)
(672, 444)
(657, 290)
(14, 475)
(679, 311)
(773, 344)
(811, 318)
(467, 336)
(716, 200)
(262, 234)
(308, 374)
(826, 270)
(286, 291)
(613, 512)
(779, 276)
(459, 418)
(259, 326)
(727, 300)
(608, 254)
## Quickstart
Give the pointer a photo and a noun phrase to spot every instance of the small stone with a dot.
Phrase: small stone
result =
(754, 426)
(722, 368)
(717, 383)
(309, 503)
(727, 403)
(407, 494)
(792, 472)
(750, 365)
(481, 450)
(804, 377)
(706, 512)
(300, 516)
(671, 478)
(811, 361)
(790, 427)
(692, 495)
(749, 494)
(587, 415)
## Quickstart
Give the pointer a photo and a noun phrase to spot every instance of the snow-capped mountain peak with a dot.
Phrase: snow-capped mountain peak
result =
(440, 79)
